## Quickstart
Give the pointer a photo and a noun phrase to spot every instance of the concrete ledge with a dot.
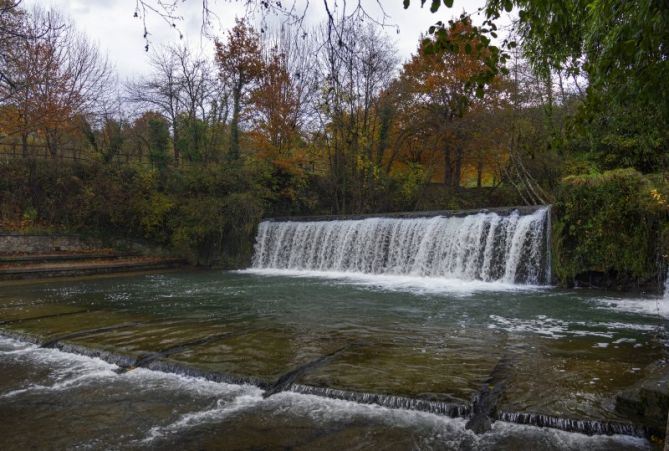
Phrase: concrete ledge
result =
(504, 211)
(45, 258)
(86, 269)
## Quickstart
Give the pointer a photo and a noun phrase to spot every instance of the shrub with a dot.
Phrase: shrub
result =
(610, 224)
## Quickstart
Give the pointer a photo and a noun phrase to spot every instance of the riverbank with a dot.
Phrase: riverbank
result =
(34, 256)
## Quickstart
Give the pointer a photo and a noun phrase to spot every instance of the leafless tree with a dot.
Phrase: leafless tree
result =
(299, 51)
(181, 83)
(354, 73)
(291, 12)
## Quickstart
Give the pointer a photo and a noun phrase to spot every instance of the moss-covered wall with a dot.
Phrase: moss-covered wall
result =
(610, 230)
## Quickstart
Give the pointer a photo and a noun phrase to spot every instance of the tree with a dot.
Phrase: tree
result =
(109, 139)
(158, 136)
(275, 105)
(161, 91)
(438, 89)
(240, 65)
(621, 48)
(57, 74)
(355, 71)
(11, 31)
(182, 89)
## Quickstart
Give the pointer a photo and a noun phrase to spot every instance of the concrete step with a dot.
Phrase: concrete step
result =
(28, 259)
(74, 268)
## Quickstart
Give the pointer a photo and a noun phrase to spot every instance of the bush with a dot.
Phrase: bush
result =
(609, 225)
(206, 213)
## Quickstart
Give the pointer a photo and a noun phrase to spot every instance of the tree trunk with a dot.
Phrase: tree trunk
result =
(51, 145)
(457, 171)
(234, 123)
(175, 141)
(24, 144)
(448, 166)
(479, 174)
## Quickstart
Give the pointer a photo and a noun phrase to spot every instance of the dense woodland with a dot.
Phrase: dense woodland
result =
(569, 108)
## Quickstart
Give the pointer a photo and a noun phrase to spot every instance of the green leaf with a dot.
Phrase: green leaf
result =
(406, 3)
(428, 48)
(468, 48)
(448, 3)
(508, 6)
(435, 6)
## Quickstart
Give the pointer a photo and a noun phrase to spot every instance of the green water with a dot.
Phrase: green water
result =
(566, 353)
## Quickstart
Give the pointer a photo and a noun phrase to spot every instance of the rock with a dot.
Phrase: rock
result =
(479, 424)
(647, 402)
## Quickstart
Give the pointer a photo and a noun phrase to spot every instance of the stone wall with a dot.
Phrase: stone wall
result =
(12, 243)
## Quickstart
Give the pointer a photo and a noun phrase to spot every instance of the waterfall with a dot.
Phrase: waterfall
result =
(483, 246)
(663, 302)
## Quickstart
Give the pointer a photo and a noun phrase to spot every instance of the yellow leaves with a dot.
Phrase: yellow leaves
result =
(658, 198)
(155, 210)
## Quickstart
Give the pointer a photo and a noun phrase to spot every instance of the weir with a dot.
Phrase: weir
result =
(285, 383)
(507, 245)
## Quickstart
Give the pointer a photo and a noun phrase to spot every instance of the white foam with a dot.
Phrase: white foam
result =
(147, 378)
(70, 382)
(444, 432)
(401, 283)
(561, 439)
(643, 306)
(223, 409)
(328, 409)
(66, 370)
(556, 328)
(69, 369)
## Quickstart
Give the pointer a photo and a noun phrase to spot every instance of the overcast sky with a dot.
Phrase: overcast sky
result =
(110, 23)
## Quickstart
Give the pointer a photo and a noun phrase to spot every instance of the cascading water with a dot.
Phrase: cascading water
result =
(663, 302)
(484, 246)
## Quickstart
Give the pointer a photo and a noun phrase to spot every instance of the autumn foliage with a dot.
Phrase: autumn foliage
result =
(282, 121)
